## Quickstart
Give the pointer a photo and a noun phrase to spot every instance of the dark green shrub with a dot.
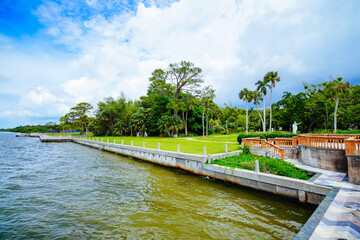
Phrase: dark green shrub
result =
(246, 150)
(265, 135)
(267, 165)
(219, 129)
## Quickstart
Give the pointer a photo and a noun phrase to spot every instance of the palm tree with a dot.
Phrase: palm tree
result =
(262, 87)
(245, 95)
(257, 97)
(272, 78)
(337, 89)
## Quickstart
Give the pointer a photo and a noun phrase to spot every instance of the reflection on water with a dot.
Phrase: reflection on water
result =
(64, 190)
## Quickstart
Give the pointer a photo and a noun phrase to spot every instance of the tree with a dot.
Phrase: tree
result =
(140, 120)
(245, 95)
(257, 97)
(229, 114)
(336, 89)
(262, 87)
(179, 78)
(207, 96)
(79, 112)
(170, 123)
(272, 78)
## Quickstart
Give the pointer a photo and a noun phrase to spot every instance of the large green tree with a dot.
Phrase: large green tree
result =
(336, 89)
(179, 78)
(245, 95)
(262, 87)
(272, 78)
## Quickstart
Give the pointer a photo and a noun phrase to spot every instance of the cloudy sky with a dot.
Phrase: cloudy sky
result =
(56, 53)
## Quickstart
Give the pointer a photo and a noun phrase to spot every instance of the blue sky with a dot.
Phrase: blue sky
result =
(54, 54)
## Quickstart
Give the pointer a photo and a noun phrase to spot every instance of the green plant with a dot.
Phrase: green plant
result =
(246, 150)
(265, 135)
(267, 165)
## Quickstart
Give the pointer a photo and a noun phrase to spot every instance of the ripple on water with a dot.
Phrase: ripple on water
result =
(69, 191)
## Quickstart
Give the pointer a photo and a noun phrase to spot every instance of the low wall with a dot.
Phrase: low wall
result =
(304, 191)
(332, 159)
(293, 153)
(353, 162)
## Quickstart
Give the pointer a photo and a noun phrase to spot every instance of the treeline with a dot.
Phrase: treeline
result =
(50, 126)
(178, 103)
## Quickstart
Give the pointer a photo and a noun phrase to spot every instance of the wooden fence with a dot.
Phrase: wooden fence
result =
(348, 142)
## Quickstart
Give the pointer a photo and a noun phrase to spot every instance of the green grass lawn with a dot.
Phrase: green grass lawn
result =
(219, 138)
(170, 144)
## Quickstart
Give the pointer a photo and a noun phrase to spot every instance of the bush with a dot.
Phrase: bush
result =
(265, 135)
(266, 164)
(246, 150)
(328, 131)
(219, 129)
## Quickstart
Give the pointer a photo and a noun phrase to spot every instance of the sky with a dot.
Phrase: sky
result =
(57, 53)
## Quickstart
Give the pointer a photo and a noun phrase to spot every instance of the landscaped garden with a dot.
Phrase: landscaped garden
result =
(246, 161)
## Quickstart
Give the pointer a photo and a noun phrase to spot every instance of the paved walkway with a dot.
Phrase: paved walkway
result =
(341, 219)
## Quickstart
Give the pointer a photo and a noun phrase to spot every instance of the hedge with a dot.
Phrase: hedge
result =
(265, 135)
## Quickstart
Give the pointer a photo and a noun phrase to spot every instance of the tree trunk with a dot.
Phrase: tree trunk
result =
(336, 107)
(185, 123)
(246, 117)
(257, 109)
(227, 131)
(270, 127)
(264, 112)
(207, 123)
(203, 115)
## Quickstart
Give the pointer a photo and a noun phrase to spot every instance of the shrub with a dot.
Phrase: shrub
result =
(246, 150)
(328, 131)
(265, 135)
(219, 129)
(266, 164)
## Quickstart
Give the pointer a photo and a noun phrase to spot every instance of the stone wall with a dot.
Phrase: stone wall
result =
(354, 168)
(304, 191)
(331, 159)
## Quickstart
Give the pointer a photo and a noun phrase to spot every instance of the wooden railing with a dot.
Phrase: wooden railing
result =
(352, 146)
(252, 142)
(282, 142)
(348, 142)
(326, 142)
(355, 136)
(276, 150)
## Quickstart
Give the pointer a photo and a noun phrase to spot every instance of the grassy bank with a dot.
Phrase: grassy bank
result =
(171, 144)
(266, 164)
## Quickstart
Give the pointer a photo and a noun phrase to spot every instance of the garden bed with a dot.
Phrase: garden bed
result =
(266, 165)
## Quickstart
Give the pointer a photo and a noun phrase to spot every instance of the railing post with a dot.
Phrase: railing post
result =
(122, 142)
(97, 139)
(114, 140)
(204, 151)
(226, 149)
(257, 166)
(263, 144)
(282, 151)
(209, 159)
(132, 144)
(102, 139)
(143, 144)
(107, 140)
(178, 149)
(158, 146)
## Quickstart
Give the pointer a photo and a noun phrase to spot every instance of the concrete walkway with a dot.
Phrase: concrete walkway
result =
(339, 216)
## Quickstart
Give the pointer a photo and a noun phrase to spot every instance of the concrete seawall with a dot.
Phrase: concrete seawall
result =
(304, 191)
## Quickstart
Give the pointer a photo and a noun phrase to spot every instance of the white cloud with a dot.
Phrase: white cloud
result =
(83, 89)
(234, 42)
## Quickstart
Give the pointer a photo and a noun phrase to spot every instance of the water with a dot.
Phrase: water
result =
(68, 191)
